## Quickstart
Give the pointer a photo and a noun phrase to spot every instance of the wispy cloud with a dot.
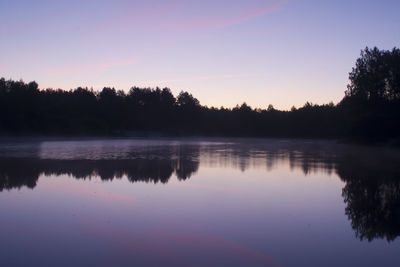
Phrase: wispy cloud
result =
(88, 67)
(224, 19)
(133, 18)
(196, 78)
(178, 15)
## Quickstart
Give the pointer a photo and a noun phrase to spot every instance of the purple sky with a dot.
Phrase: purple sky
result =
(280, 52)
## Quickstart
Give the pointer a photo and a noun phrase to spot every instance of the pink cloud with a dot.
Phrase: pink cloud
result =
(224, 19)
(89, 67)
(175, 16)
(131, 19)
(197, 78)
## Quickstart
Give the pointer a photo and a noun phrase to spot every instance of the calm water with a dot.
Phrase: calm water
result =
(198, 203)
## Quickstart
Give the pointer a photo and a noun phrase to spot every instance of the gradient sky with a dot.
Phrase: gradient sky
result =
(224, 52)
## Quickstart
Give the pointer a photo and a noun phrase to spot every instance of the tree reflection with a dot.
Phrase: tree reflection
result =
(13, 174)
(16, 173)
(372, 196)
(371, 175)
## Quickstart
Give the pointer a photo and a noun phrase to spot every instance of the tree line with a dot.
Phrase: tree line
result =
(369, 110)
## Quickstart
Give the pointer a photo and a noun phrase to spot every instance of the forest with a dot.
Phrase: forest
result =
(369, 110)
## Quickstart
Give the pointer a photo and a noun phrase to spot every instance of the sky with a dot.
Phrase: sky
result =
(224, 52)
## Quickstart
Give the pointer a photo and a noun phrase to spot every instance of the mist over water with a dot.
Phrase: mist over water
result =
(197, 202)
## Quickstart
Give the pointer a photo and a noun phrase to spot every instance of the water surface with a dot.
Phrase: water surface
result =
(189, 202)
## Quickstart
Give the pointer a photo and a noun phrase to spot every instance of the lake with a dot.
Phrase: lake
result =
(198, 202)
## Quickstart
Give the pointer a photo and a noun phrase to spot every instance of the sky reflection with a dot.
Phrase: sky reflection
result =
(240, 203)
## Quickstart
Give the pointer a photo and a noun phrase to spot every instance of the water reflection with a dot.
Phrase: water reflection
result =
(372, 196)
(17, 173)
(371, 175)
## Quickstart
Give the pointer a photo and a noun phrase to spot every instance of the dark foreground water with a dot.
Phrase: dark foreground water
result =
(239, 202)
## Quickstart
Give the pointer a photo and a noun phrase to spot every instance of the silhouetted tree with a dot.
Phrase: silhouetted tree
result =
(369, 111)
(371, 106)
(186, 100)
(376, 75)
